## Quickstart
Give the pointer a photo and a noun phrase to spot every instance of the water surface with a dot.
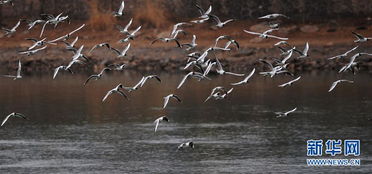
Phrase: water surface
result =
(71, 131)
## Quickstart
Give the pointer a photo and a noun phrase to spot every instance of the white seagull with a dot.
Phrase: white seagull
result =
(304, 53)
(344, 54)
(130, 36)
(166, 99)
(145, 78)
(115, 90)
(221, 71)
(9, 32)
(265, 35)
(196, 75)
(191, 45)
(125, 29)
(273, 16)
(18, 75)
(284, 114)
(360, 38)
(56, 70)
(334, 84)
(14, 114)
(32, 52)
(218, 21)
(122, 53)
(204, 14)
(107, 45)
(96, 76)
(184, 145)
(246, 79)
(290, 82)
(158, 120)
(120, 10)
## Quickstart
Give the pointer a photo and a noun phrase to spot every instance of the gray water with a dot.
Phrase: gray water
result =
(71, 131)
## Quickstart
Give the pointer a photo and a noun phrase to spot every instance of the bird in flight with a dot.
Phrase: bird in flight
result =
(246, 79)
(334, 84)
(18, 75)
(158, 120)
(120, 10)
(166, 99)
(284, 114)
(14, 114)
(189, 144)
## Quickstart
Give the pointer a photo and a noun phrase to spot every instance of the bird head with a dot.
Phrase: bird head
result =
(191, 144)
(165, 119)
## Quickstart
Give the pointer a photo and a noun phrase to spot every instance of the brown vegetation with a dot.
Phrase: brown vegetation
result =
(98, 19)
(151, 14)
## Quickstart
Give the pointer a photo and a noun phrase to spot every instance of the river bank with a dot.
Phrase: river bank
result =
(324, 42)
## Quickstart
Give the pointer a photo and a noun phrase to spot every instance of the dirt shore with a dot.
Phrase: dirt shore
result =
(324, 42)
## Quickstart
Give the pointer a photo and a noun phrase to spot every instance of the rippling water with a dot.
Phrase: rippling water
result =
(71, 131)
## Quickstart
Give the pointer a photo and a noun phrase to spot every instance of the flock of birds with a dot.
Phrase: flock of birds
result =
(199, 62)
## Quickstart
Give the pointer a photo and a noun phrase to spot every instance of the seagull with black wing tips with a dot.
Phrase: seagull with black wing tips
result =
(209, 67)
(38, 43)
(72, 62)
(273, 16)
(265, 35)
(67, 36)
(122, 53)
(196, 75)
(360, 38)
(78, 54)
(290, 82)
(214, 90)
(130, 36)
(220, 24)
(166, 99)
(96, 76)
(169, 39)
(31, 24)
(285, 59)
(18, 75)
(282, 42)
(14, 114)
(56, 70)
(219, 93)
(334, 84)
(135, 87)
(175, 28)
(246, 79)
(54, 21)
(340, 56)
(304, 53)
(203, 13)
(158, 120)
(9, 32)
(32, 52)
(230, 40)
(125, 29)
(71, 46)
(185, 145)
(221, 71)
(115, 90)
(191, 45)
(352, 63)
(284, 114)
(150, 77)
(120, 10)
